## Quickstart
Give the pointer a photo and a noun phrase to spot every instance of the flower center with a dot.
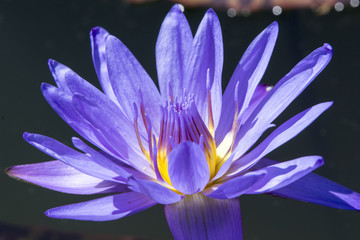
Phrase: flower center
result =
(181, 121)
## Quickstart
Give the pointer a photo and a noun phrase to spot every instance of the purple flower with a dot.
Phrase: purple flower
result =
(189, 147)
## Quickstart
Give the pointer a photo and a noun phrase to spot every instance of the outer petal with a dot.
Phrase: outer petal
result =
(70, 82)
(188, 169)
(284, 92)
(173, 48)
(107, 119)
(154, 190)
(61, 102)
(234, 187)
(58, 176)
(104, 209)
(131, 83)
(107, 161)
(248, 73)
(207, 54)
(285, 173)
(98, 36)
(71, 157)
(260, 92)
(316, 189)
(75, 85)
(279, 136)
(198, 217)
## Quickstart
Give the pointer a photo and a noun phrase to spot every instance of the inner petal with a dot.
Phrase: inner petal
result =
(181, 122)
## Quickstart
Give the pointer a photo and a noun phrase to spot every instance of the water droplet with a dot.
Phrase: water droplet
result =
(339, 6)
(231, 12)
(277, 10)
(182, 8)
(354, 3)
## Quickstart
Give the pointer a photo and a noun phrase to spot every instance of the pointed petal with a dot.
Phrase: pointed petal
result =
(284, 92)
(103, 209)
(154, 190)
(316, 189)
(73, 158)
(98, 36)
(198, 217)
(105, 160)
(131, 83)
(260, 92)
(279, 136)
(207, 54)
(248, 73)
(173, 48)
(188, 169)
(70, 82)
(281, 174)
(73, 84)
(61, 102)
(224, 168)
(234, 187)
(108, 119)
(58, 176)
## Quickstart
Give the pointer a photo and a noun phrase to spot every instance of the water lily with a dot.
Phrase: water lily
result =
(188, 147)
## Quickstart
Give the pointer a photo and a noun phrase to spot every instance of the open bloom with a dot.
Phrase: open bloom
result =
(189, 147)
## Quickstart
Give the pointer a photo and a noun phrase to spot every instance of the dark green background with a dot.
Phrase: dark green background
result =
(31, 32)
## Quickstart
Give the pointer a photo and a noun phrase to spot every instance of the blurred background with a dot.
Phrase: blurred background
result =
(31, 32)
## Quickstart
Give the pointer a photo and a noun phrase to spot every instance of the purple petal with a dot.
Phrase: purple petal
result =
(70, 82)
(98, 36)
(107, 161)
(173, 48)
(74, 84)
(202, 218)
(248, 73)
(281, 174)
(284, 92)
(234, 187)
(131, 83)
(316, 189)
(260, 92)
(61, 102)
(154, 190)
(188, 168)
(69, 156)
(224, 168)
(103, 209)
(107, 118)
(207, 54)
(58, 176)
(279, 136)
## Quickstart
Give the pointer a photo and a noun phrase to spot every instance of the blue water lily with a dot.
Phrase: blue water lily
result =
(189, 146)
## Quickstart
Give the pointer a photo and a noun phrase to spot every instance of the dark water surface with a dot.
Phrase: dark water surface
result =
(31, 32)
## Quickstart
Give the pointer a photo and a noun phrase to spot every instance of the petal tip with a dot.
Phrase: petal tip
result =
(8, 172)
(319, 162)
(274, 25)
(25, 135)
(51, 62)
(328, 47)
(97, 30)
(328, 104)
(176, 9)
(44, 87)
(210, 10)
(272, 29)
(48, 213)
